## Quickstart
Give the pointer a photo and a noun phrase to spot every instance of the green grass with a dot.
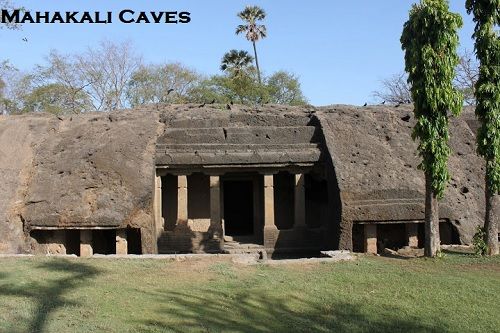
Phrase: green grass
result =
(458, 293)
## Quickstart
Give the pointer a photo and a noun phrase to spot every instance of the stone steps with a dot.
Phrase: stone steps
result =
(243, 118)
(240, 135)
(180, 147)
(238, 246)
(233, 247)
(291, 155)
(247, 145)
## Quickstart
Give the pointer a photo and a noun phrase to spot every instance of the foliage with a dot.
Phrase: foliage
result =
(236, 62)
(280, 88)
(478, 242)
(252, 30)
(2, 91)
(53, 98)
(111, 76)
(429, 40)
(284, 88)
(39, 91)
(100, 73)
(487, 46)
(64, 70)
(241, 89)
(167, 83)
(440, 254)
(18, 88)
(6, 70)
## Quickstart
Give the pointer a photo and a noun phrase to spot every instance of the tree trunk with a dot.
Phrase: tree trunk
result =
(490, 221)
(432, 241)
(256, 62)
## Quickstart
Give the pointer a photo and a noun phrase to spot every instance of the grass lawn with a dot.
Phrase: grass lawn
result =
(459, 293)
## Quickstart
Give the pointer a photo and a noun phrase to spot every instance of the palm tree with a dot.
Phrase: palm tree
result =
(253, 31)
(236, 62)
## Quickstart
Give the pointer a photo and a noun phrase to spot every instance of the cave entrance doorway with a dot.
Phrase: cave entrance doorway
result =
(238, 208)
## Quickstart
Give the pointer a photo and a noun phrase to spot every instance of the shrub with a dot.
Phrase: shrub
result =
(480, 247)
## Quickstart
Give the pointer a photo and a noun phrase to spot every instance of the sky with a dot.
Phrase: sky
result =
(340, 50)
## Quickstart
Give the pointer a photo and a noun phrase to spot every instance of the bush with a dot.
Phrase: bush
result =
(480, 246)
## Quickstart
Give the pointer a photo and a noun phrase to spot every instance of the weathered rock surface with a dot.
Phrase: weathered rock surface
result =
(376, 162)
(97, 169)
(201, 137)
(81, 171)
(18, 137)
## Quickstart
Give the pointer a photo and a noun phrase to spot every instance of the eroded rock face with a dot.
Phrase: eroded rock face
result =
(376, 162)
(82, 171)
(97, 169)
(18, 136)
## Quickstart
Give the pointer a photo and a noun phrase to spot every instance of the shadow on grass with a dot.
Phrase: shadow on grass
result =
(396, 256)
(48, 295)
(249, 311)
(463, 252)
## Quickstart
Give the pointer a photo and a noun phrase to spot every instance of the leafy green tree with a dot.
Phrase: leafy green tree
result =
(236, 63)
(237, 85)
(252, 30)
(429, 40)
(102, 73)
(487, 45)
(18, 86)
(284, 88)
(168, 83)
(53, 98)
(3, 100)
(63, 71)
(241, 89)
(2, 87)
(7, 72)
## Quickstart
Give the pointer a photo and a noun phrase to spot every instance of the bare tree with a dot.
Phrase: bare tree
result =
(8, 5)
(108, 70)
(102, 74)
(467, 75)
(64, 72)
(395, 90)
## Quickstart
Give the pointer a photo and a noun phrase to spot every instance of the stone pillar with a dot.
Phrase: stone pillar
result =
(269, 202)
(215, 207)
(182, 200)
(86, 243)
(412, 234)
(159, 221)
(300, 202)
(270, 230)
(371, 238)
(121, 241)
